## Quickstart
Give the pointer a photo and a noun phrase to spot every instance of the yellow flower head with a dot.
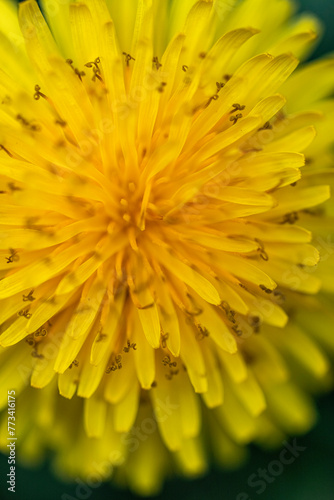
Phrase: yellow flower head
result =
(156, 223)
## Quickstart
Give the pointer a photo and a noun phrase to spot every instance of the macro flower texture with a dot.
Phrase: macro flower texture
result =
(166, 263)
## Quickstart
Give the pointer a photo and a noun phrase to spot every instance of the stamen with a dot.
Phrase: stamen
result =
(255, 323)
(97, 74)
(185, 68)
(202, 332)
(279, 295)
(74, 363)
(30, 340)
(29, 297)
(235, 118)
(290, 218)
(101, 336)
(14, 257)
(161, 87)
(156, 63)
(25, 123)
(128, 58)
(60, 122)
(171, 373)
(36, 355)
(79, 73)
(266, 126)
(25, 313)
(41, 332)
(237, 107)
(261, 250)
(38, 94)
(129, 346)
(237, 330)
(212, 98)
(166, 361)
(116, 365)
(196, 310)
(5, 150)
(164, 338)
(13, 188)
(94, 63)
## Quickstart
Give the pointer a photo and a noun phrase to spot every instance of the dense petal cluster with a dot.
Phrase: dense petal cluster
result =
(162, 164)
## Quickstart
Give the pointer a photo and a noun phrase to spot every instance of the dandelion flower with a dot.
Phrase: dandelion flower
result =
(160, 184)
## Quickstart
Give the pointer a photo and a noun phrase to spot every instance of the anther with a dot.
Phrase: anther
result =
(202, 55)
(235, 118)
(128, 58)
(265, 289)
(185, 68)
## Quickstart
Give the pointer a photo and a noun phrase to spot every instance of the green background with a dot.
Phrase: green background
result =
(309, 477)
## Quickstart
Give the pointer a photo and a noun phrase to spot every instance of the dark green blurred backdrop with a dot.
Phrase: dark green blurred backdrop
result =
(309, 477)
